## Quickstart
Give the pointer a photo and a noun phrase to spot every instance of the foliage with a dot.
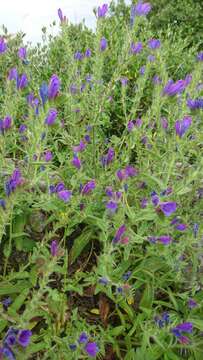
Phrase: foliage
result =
(101, 193)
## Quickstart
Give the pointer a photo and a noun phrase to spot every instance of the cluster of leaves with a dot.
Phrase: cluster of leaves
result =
(101, 193)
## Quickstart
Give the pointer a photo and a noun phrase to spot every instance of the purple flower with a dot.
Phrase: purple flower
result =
(124, 81)
(143, 203)
(142, 9)
(7, 352)
(156, 79)
(186, 327)
(178, 87)
(112, 206)
(164, 123)
(136, 48)
(195, 104)
(154, 198)
(48, 156)
(60, 186)
(43, 91)
(109, 191)
(192, 304)
(88, 53)
(131, 125)
(24, 337)
(22, 128)
(181, 126)
(165, 239)
(103, 281)
(13, 74)
(73, 347)
(102, 10)
(151, 58)
(54, 86)
(121, 175)
(154, 44)
(83, 338)
(168, 208)
(76, 162)
(7, 122)
(79, 148)
(51, 117)
(107, 159)
(142, 70)
(199, 56)
(103, 44)
(92, 349)
(121, 230)
(61, 16)
(64, 195)
(3, 45)
(54, 248)
(88, 187)
(22, 53)
(13, 182)
(181, 227)
(22, 82)
(78, 56)
(130, 171)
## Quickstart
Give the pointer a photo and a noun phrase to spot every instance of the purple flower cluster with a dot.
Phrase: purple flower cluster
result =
(54, 87)
(51, 117)
(12, 339)
(195, 104)
(61, 16)
(5, 124)
(13, 182)
(163, 239)
(89, 347)
(21, 80)
(181, 126)
(163, 320)
(124, 174)
(180, 329)
(134, 123)
(136, 48)
(140, 9)
(108, 158)
(62, 193)
(173, 88)
(119, 236)
(22, 53)
(88, 187)
(102, 11)
(3, 45)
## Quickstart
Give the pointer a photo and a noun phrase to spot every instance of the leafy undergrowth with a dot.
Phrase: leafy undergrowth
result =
(101, 194)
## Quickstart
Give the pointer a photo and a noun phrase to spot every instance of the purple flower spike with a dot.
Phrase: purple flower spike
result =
(7, 122)
(165, 239)
(185, 327)
(136, 48)
(103, 44)
(22, 128)
(124, 81)
(192, 304)
(92, 349)
(154, 44)
(54, 86)
(24, 337)
(78, 56)
(143, 203)
(3, 204)
(51, 117)
(130, 171)
(61, 16)
(76, 162)
(22, 82)
(7, 352)
(64, 195)
(121, 230)
(195, 104)
(22, 53)
(168, 208)
(182, 126)
(54, 248)
(43, 91)
(3, 45)
(195, 229)
(164, 123)
(102, 10)
(88, 187)
(13, 74)
(121, 175)
(178, 87)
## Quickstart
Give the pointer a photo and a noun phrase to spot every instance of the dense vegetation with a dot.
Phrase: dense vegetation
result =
(101, 191)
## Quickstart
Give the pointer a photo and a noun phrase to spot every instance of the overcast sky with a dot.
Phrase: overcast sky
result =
(31, 15)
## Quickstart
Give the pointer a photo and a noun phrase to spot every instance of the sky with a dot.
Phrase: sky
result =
(31, 15)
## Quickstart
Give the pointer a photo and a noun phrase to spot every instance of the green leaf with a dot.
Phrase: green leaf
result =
(147, 297)
(79, 244)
